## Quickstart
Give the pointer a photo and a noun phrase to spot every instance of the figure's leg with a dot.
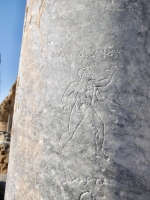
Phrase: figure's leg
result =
(99, 134)
(99, 139)
(74, 122)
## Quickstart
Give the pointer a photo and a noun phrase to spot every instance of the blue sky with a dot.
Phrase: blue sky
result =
(11, 28)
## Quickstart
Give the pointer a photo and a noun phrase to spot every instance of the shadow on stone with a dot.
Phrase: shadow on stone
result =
(2, 190)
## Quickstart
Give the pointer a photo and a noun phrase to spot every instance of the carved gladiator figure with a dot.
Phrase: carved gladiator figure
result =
(79, 99)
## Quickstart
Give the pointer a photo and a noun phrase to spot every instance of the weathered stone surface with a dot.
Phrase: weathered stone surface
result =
(81, 124)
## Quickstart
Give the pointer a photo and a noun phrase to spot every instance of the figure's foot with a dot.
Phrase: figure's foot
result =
(98, 153)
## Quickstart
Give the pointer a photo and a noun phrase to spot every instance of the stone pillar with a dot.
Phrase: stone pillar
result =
(81, 127)
(8, 124)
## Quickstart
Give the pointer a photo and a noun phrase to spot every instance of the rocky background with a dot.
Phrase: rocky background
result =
(6, 109)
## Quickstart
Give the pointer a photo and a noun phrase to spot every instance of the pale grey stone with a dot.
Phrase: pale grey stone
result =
(81, 124)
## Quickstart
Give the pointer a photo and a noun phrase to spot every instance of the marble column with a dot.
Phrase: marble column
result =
(81, 126)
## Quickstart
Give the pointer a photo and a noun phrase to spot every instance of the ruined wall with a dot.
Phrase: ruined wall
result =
(4, 151)
(7, 108)
(81, 122)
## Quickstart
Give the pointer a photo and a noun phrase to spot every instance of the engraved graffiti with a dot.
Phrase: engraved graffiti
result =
(106, 53)
(79, 99)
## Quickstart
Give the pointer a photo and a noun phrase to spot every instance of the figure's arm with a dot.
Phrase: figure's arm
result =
(66, 137)
(66, 94)
(105, 82)
(68, 91)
